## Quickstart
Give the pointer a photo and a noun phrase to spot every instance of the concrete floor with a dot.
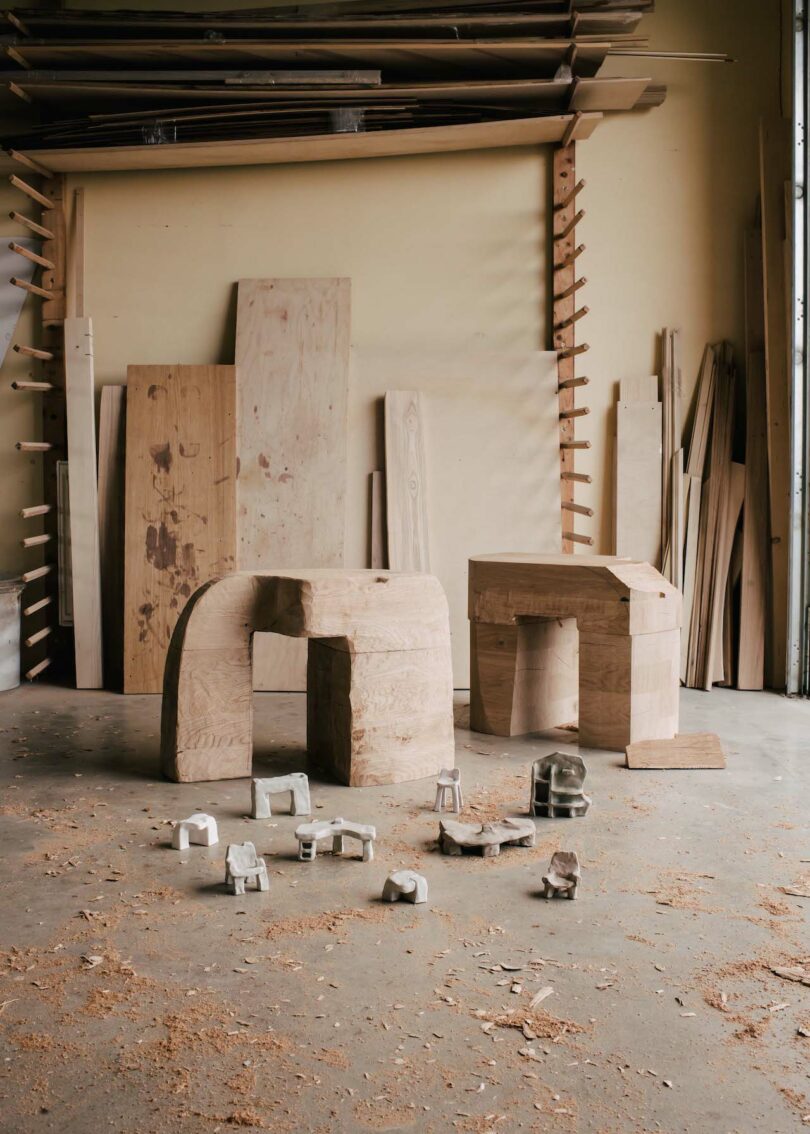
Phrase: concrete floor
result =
(136, 995)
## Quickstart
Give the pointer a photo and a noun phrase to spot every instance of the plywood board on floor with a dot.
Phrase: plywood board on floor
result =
(180, 528)
(292, 357)
(696, 750)
(492, 457)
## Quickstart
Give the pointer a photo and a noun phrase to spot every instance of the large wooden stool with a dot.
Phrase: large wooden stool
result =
(529, 614)
(379, 678)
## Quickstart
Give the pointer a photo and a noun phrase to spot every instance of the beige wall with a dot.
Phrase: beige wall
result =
(449, 251)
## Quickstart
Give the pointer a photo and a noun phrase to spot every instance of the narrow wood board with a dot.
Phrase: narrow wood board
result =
(695, 750)
(292, 357)
(378, 556)
(406, 489)
(111, 482)
(692, 530)
(644, 389)
(703, 415)
(63, 568)
(638, 481)
(492, 453)
(83, 493)
(180, 522)
(774, 169)
(730, 508)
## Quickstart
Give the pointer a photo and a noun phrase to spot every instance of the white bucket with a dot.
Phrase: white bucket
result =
(10, 592)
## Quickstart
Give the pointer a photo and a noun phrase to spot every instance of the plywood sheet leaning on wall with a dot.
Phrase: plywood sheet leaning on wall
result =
(111, 481)
(491, 452)
(638, 471)
(83, 492)
(292, 356)
(406, 482)
(180, 528)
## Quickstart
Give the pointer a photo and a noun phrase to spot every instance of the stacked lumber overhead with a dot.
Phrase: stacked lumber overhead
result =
(112, 89)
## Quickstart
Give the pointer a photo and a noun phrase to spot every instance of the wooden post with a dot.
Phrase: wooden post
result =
(564, 319)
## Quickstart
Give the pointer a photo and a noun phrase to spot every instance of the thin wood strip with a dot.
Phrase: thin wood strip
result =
(39, 636)
(35, 352)
(37, 606)
(30, 163)
(580, 509)
(568, 415)
(34, 510)
(37, 573)
(575, 537)
(111, 491)
(19, 92)
(39, 229)
(32, 289)
(377, 555)
(39, 668)
(37, 387)
(29, 191)
(36, 540)
(74, 296)
(572, 383)
(29, 255)
(578, 477)
(575, 444)
(571, 197)
(575, 286)
(569, 322)
(33, 446)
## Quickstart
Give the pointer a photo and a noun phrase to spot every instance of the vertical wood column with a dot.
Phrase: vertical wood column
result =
(566, 313)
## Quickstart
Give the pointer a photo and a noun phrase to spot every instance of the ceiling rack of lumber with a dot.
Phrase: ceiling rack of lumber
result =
(358, 78)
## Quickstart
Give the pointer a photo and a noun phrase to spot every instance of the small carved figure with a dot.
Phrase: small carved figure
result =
(563, 874)
(296, 783)
(405, 884)
(557, 786)
(449, 785)
(243, 863)
(198, 828)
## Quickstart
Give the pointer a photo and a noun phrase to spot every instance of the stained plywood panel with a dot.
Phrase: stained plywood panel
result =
(491, 453)
(638, 481)
(83, 495)
(292, 356)
(180, 523)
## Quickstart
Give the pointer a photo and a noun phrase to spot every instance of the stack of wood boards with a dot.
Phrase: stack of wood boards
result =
(472, 463)
(143, 82)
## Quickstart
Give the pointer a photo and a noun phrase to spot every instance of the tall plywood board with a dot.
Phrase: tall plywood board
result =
(491, 437)
(111, 488)
(406, 482)
(83, 496)
(292, 356)
(638, 480)
(180, 526)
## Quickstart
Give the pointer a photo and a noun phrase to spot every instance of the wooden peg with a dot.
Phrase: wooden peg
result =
(42, 387)
(569, 260)
(35, 510)
(32, 256)
(570, 197)
(20, 60)
(571, 352)
(29, 163)
(34, 446)
(40, 636)
(573, 122)
(19, 92)
(39, 229)
(36, 540)
(35, 606)
(30, 191)
(36, 573)
(572, 383)
(575, 318)
(36, 670)
(579, 477)
(569, 228)
(570, 290)
(32, 289)
(34, 352)
(17, 23)
(580, 509)
(575, 444)
(575, 537)
(566, 415)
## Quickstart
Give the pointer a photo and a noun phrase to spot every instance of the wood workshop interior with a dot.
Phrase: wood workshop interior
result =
(404, 567)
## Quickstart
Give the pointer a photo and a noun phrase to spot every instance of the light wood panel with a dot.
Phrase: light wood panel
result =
(406, 486)
(491, 438)
(180, 528)
(638, 481)
(292, 356)
(693, 495)
(83, 494)
(323, 147)
(378, 542)
(111, 489)
(696, 750)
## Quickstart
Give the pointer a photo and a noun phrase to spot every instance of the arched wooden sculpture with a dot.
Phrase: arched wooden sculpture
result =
(379, 679)
(525, 612)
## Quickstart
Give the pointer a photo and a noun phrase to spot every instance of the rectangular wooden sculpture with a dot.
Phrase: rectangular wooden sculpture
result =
(627, 618)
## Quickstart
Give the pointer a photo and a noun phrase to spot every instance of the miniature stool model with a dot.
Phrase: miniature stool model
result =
(243, 863)
(562, 877)
(488, 837)
(296, 783)
(379, 677)
(449, 784)
(557, 782)
(198, 828)
(530, 615)
(310, 834)
(405, 884)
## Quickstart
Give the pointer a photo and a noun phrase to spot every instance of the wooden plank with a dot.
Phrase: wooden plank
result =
(676, 526)
(378, 557)
(83, 492)
(703, 414)
(111, 490)
(491, 447)
(320, 147)
(406, 492)
(698, 750)
(755, 551)
(693, 496)
(264, 77)
(64, 580)
(637, 509)
(292, 357)
(775, 135)
(731, 506)
(180, 524)
(666, 450)
(644, 389)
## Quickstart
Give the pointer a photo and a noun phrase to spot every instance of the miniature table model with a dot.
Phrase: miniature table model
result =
(524, 614)
(379, 680)
(309, 835)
